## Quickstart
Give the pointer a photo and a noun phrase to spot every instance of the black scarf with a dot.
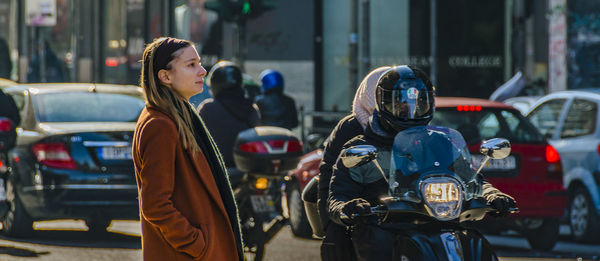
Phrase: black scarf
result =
(217, 167)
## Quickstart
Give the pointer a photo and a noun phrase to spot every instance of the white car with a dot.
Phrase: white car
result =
(522, 103)
(569, 119)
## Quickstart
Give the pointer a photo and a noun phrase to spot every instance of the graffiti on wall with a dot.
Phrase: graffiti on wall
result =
(557, 79)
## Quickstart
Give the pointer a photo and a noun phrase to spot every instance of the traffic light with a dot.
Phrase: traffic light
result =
(240, 10)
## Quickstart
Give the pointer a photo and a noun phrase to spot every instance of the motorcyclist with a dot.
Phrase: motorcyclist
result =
(276, 108)
(404, 99)
(228, 112)
(337, 244)
(8, 109)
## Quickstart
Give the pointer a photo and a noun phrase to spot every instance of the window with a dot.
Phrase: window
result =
(581, 119)
(100, 107)
(476, 126)
(545, 117)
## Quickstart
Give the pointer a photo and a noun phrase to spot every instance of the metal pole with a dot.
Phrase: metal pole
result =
(240, 48)
(42, 54)
(353, 48)
(433, 42)
(365, 37)
(508, 7)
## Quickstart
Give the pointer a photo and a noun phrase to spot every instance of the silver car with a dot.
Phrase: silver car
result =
(569, 120)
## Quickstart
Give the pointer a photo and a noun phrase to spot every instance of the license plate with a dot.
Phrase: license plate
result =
(262, 203)
(114, 153)
(508, 163)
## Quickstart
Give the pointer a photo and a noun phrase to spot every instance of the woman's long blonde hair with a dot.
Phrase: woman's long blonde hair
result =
(165, 98)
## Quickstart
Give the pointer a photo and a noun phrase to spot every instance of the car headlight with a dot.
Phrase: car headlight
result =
(443, 197)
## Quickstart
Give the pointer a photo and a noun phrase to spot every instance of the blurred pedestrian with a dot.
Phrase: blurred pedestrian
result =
(55, 68)
(276, 108)
(5, 63)
(337, 244)
(228, 112)
(187, 209)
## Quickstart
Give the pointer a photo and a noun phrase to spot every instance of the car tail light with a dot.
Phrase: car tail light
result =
(552, 155)
(5, 125)
(54, 155)
(554, 165)
(598, 149)
(468, 108)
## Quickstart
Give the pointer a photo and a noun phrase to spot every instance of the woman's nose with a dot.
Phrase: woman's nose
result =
(202, 71)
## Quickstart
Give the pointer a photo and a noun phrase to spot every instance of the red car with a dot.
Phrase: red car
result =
(532, 174)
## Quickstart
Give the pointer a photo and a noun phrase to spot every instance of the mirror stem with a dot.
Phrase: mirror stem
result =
(381, 171)
(483, 164)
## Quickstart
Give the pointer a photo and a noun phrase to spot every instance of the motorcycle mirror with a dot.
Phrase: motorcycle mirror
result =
(358, 155)
(495, 148)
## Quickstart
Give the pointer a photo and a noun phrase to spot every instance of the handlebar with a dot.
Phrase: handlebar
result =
(381, 210)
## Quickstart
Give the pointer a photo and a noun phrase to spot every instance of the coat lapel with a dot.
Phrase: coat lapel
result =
(208, 180)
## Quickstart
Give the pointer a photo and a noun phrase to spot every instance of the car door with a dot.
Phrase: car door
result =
(578, 144)
(547, 116)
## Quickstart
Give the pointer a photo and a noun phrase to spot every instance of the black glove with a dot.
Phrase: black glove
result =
(502, 203)
(356, 206)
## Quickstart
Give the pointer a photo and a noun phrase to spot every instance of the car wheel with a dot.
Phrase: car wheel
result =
(16, 222)
(298, 220)
(582, 216)
(544, 236)
(98, 225)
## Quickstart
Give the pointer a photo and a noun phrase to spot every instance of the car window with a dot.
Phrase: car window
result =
(581, 119)
(476, 126)
(87, 107)
(545, 117)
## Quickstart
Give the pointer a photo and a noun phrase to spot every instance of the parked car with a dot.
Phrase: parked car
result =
(530, 174)
(6, 83)
(73, 155)
(522, 103)
(569, 119)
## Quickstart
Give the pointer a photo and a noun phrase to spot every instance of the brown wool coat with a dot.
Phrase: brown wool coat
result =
(181, 211)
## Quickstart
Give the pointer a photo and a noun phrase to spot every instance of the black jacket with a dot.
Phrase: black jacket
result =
(227, 115)
(346, 129)
(9, 109)
(277, 109)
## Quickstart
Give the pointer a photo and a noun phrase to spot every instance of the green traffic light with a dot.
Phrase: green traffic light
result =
(246, 8)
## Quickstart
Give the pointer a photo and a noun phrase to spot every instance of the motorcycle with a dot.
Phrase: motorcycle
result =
(8, 137)
(262, 155)
(433, 190)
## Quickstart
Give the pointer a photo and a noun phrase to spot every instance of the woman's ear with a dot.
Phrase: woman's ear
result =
(164, 77)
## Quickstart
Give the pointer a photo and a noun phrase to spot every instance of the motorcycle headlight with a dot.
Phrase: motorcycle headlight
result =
(443, 197)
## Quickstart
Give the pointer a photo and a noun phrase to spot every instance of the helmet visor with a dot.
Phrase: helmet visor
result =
(408, 100)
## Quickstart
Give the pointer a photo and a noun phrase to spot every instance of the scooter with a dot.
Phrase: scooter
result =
(433, 189)
(263, 155)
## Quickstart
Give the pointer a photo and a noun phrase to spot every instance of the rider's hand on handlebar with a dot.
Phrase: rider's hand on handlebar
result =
(356, 209)
(502, 203)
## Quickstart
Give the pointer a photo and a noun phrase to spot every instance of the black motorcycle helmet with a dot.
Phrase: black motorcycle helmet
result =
(224, 75)
(404, 98)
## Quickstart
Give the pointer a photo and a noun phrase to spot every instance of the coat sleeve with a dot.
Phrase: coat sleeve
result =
(157, 176)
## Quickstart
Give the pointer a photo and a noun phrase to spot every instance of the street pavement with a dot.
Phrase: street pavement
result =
(69, 240)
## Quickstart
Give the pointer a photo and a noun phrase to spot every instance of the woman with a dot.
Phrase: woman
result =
(187, 210)
(337, 245)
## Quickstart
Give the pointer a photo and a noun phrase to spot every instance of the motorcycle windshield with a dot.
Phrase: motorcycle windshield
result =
(429, 150)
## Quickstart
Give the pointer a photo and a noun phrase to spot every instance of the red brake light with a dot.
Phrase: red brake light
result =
(598, 149)
(5, 125)
(54, 155)
(294, 146)
(552, 155)
(254, 147)
(468, 108)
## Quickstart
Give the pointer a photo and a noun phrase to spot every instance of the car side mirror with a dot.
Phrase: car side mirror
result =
(358, 155)
(495, 148)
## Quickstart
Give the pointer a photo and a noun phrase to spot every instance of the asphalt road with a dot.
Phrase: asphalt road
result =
(72, 242)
